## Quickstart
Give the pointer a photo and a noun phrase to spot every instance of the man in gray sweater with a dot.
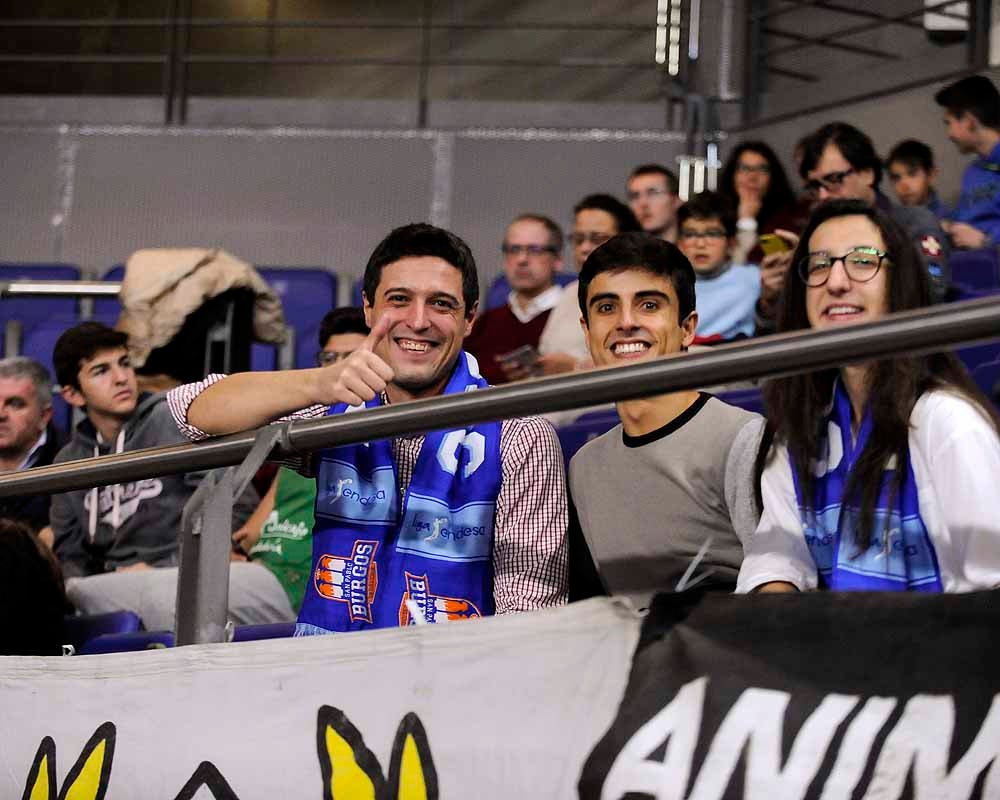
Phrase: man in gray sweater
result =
(673, 483)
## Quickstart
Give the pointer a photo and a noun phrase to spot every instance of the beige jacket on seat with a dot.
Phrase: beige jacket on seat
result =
(162, 286)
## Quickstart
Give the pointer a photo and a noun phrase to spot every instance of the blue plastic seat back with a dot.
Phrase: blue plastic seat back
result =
(107, 309)
(307, 294)
(30, 310)
(37, 342)
(127, 642)
(747, 399)
(589, 426)
(497, 294)
(983, 363)
(976, 269)
(81, 629)
(270, 630)
(263, 357)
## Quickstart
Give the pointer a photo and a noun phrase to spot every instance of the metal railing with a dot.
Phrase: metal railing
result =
(285, 353)
(202, 584)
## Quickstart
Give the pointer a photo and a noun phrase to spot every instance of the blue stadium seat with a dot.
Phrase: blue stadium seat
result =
(30, 310)
(496, 295)
(307, 294)
(983, 363)
(263, 357)
(81, 629)
(127, 642)
(747, 399)
(107, 309)
(586, 427)
(976, 269)
(38, 342)
(271, 630)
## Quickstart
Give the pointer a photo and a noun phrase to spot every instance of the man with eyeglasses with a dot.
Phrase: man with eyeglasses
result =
(596, 218)
(651, 191)
(504, 340)
(839, 162)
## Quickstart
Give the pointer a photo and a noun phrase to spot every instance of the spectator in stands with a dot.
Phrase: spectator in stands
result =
(839, 161)
(596, 218)
(674, 481)
(881, 471)
(912, 173)
(501, 549)
(972, 114)
(109, 538)
(754, 181)
(32, 599)
(651, 190)
(27, 436)
(278, 535)
(727, 292)
(505, 340)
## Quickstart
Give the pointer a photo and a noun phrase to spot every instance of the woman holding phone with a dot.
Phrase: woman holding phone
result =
(883, 474)
(756, 184)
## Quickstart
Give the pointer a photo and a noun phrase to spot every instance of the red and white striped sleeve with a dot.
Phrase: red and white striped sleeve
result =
(530, 555)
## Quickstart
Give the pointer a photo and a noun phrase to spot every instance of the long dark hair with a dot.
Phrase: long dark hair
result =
(796, 405)
(779, 192)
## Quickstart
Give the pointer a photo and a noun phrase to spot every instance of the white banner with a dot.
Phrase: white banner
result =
(496, 708)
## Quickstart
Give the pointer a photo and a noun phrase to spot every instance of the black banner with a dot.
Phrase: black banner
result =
(821, 695)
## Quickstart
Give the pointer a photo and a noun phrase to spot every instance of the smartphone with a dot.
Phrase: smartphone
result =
(771, 243)
(524, 356)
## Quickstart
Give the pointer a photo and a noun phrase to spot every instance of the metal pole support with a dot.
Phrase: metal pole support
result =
(206, 542)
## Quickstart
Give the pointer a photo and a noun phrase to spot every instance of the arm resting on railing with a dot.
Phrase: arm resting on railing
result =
(226, 404)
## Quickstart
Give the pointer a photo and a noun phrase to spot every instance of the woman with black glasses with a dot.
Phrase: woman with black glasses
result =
(883, 474)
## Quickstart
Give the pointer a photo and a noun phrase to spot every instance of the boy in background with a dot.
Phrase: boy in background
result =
(727, 292)
(912, 172)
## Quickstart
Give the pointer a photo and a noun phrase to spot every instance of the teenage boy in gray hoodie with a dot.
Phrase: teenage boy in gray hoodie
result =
(128, 527)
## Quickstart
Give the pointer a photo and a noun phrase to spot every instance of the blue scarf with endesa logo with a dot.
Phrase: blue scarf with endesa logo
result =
(901, 556)
(375, 564)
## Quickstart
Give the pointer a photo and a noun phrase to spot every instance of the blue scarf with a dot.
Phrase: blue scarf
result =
(901, 556)
(375, 565)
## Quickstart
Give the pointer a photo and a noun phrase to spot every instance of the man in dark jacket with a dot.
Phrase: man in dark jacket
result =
(108, 538)
(124, 526)
(27, 436)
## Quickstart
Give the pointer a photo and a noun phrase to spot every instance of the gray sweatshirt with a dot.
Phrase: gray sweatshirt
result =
(134, 521)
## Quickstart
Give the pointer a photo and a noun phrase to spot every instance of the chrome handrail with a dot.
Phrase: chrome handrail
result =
(925, 330)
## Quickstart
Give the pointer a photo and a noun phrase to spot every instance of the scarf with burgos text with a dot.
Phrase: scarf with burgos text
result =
(376, 565)
(900, 556)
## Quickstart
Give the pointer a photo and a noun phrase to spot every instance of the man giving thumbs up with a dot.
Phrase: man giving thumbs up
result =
(496, 492)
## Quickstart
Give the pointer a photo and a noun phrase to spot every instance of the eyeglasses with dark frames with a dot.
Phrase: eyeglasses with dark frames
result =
(713, 235)
(527, 249)
(861, 264)
(595, 238)
(831, 181)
